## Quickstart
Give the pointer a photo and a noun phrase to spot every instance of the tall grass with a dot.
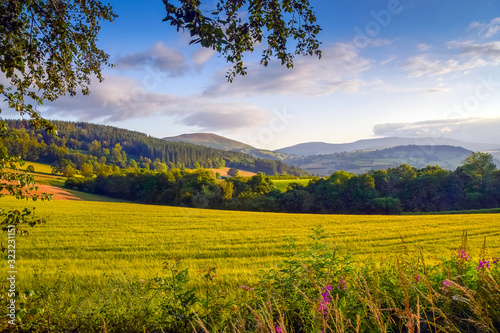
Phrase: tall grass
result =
(311, 290)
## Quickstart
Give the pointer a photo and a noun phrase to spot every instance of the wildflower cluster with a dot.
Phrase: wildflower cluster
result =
(247, 288)
(342, 284)
(487, 263)
(325, 300)
(463, 255)
(483, 263)
(446, 283)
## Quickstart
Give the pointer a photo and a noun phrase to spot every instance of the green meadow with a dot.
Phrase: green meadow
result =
(282, 184)
(91, 240)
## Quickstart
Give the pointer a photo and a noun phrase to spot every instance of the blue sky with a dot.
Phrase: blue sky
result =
(419, 68)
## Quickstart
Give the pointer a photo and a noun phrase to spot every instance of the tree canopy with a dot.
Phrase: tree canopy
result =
(48, 49)
(235, 27)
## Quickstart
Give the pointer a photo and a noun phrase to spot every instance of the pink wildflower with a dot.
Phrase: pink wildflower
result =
(464, 255)
(445, 284)
(247, 288)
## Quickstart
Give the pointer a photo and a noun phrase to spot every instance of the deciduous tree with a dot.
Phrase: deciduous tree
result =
(285, 28)
(47, 49)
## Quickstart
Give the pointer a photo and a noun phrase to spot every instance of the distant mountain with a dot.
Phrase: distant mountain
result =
(361, 161)
(318, 148)
(210, 140)
(219, 142)
(80, 142)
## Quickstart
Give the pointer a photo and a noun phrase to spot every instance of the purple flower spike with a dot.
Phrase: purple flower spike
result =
(445, 284)
(278, 330)
(483, 263)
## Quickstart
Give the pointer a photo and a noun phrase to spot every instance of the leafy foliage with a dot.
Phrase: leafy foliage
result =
(392, 191)
(235, 27)
(20, 184)
(48, 49)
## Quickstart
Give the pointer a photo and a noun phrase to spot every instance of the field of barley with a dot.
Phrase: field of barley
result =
(282, 184)
(90, 240)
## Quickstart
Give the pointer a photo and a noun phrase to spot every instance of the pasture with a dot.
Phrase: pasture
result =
(282, 184)
(88, 240)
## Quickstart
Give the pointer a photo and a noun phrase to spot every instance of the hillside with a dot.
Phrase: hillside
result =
(447, 157)
(79, 143)
(219, 142)
(321, 148)
(210, 140)
(352, 157)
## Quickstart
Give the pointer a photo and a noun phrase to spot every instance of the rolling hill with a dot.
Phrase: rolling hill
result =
(219, 142)
(210, 140)
(85, 143)
(447, 157)
(357, 157)
(321, 148)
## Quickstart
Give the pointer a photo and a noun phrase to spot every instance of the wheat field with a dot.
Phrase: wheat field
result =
(89, 240)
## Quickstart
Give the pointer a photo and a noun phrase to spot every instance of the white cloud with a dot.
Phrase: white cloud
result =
(490, 50)
(158, 57)
(423, 47)
(424, 64)
(339, 69)
(388, 60)
(471, 129)
(378, 42)
(470, 55)
(486, 30)
(201, 56)
(232, 116)
(120, 98)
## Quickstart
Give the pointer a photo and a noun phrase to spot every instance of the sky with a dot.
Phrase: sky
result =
(411, 68)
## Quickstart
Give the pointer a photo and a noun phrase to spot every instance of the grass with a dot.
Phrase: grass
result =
(43, 174)
(282, 184)
(452, 212)
(92, 197)
(87, 240)
(91, 268)
(39, 167)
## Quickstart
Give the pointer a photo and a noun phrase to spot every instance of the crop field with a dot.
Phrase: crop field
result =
(282, 184)
(90, 239)
(43, 174)
(39, 167)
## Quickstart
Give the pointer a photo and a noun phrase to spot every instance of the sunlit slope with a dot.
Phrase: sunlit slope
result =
(86, 238)
(282, 184)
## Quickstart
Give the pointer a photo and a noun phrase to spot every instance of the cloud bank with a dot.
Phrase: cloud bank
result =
(469, 54)
(486, 30)
(120, 98)
(484, 130)
(339, 69)
(158, 57)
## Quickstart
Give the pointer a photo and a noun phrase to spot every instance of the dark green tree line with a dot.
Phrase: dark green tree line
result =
(392, 191)
(82, 143)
